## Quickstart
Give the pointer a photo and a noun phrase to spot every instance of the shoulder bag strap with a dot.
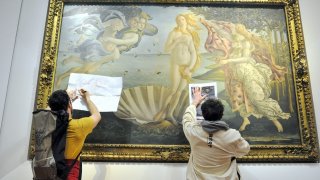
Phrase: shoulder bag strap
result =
(71, 166)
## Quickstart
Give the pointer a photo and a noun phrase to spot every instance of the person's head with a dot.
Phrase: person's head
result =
(142, 24)
(181, 20)
(241, 29)
(143, 20)
(134, 23)
(116, 24)
(59, 100)
(188, 20)
(212, 109)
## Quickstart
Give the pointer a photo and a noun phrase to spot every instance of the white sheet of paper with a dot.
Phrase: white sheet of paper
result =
(104, 91)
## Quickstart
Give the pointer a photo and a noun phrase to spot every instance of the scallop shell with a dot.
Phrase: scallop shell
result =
(140, 104)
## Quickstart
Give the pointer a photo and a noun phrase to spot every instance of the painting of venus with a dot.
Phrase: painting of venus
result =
(159, 50)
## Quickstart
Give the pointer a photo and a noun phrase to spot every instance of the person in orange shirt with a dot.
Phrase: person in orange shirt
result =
(78, 129)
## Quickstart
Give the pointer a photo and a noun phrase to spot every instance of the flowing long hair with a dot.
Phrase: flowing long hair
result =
(263, 53)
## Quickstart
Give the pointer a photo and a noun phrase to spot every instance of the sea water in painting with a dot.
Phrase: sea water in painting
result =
(159, 50)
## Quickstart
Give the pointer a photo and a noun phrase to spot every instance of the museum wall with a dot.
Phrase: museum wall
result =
(9, 17)
(21, 35)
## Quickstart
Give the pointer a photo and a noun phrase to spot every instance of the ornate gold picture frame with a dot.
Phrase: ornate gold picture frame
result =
(253, 49)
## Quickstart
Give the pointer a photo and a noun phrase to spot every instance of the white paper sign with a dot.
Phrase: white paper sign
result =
(104, 91)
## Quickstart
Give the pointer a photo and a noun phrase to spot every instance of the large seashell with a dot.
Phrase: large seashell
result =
(140, 104)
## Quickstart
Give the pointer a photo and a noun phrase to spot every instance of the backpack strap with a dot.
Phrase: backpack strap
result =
(80, 170)
(68, 169)
(74, 162)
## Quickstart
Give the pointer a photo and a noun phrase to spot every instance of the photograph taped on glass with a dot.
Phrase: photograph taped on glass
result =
(207, 89)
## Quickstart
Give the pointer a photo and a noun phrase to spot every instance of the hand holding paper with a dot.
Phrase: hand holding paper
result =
(197, 96)
(104, 91)
(198, 92)
(72, 94)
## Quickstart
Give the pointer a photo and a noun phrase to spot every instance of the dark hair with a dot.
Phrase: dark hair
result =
(59, 100)
(212, 109)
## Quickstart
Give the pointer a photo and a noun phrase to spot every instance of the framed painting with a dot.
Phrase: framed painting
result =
(252, 49)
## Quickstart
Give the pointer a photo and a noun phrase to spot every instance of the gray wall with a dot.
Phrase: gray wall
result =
(9, 16)
(22, 26)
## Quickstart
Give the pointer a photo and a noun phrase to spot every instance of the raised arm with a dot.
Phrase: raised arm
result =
(233, 60)
(131, 38)
(95, 114)
(197, 96)
(193, 54)
(171, 42)
(189, 116)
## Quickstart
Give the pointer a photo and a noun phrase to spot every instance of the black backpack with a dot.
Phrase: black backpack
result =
(50, 141)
